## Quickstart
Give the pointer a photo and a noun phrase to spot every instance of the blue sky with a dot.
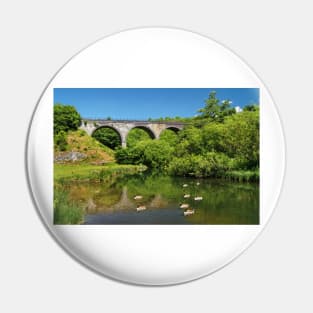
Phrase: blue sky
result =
(144, 103)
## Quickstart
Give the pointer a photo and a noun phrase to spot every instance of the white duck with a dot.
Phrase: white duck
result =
(137, 197)
(184, 206)
(189, 212)
(198, 198)
(186, 196)
(185, 185)
(141, 208)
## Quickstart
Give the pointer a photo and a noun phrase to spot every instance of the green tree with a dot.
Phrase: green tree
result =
(215, 109)
(135, 136)
(169, 136)
(251, 107)
(210, 164)
(153, 153)
(131, 155)
(157, 154)
(65, 118)
(108, 137)
(212, 137)
(189, 141)
(214, 148)
(241, 139)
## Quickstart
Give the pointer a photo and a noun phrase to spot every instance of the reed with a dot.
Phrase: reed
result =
(243, 176)
(65, 210)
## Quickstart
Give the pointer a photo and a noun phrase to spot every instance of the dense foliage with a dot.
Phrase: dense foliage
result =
(136, 135)
(217, 143)
(60, 140)
(152, 153)
(65, 118)
(169, 136)
(215, 109)
(108, 137)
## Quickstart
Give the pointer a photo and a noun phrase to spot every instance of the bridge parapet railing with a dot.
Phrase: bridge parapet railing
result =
(131, 121)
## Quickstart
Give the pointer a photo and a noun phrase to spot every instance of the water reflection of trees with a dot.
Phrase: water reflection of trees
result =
(223, 202)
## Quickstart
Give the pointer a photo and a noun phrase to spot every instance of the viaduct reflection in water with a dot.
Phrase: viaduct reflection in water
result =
(125, 203)
(113, 202)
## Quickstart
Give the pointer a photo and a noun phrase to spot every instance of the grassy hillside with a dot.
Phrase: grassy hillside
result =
(93, 151)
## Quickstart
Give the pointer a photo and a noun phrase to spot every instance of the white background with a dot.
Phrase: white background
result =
(37, 37)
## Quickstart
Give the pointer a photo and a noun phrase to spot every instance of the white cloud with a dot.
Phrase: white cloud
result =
(238, 109)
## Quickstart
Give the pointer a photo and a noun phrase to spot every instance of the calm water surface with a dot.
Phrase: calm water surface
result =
(113, 202)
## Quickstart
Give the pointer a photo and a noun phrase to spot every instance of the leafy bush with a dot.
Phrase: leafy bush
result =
(60, 141)
(81, 133)
(152, 153)
(157, 154)
(65, 118)
(108, 137)
(128, 156)
(189, 141)
(135, 136)
(241, 138)
(211, 164)
(169, 136)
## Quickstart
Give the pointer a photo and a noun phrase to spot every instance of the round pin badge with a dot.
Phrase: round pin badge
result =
(155, 156)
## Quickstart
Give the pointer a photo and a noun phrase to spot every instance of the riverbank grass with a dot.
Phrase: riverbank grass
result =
(66, 212)
(77, 172)
(243, 176)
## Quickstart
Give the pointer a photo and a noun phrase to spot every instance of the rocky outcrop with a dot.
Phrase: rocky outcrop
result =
(64, 157)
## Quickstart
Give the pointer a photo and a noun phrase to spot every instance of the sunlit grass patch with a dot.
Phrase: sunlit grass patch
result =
(73, 172)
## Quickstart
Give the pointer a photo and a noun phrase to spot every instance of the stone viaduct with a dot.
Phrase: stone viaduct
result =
(122, 127)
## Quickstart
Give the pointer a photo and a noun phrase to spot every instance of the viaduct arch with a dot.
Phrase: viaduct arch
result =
(123, 127)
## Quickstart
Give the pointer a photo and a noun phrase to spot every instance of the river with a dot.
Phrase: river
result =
(160, 197)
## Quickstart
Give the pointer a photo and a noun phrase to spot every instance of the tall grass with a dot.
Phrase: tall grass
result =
(65, 210)
(243, 176)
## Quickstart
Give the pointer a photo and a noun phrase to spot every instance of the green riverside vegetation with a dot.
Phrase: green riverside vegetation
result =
(218, 143)
(65, 210)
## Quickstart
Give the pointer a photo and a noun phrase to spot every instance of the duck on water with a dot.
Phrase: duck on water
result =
(189, 212)
(198, 198)
(137, 197)
(141, 208)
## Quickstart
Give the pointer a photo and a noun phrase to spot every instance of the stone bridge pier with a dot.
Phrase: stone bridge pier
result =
(123, 127)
